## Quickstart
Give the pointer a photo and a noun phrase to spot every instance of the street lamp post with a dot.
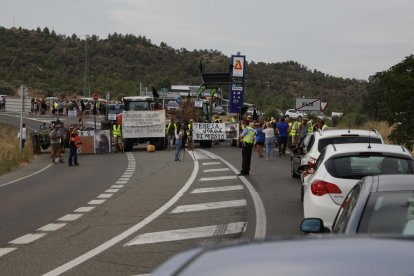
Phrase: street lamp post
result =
(86, 91)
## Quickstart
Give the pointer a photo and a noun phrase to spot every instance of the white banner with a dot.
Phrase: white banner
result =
(209, 131)
(143, 124)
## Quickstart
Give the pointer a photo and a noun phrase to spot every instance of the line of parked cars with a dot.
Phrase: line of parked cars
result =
(336, 165)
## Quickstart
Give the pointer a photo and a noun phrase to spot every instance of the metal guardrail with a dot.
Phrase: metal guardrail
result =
(15, 105)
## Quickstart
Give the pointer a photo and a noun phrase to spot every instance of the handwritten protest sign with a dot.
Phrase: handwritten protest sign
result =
(143, 124)
(209, 131)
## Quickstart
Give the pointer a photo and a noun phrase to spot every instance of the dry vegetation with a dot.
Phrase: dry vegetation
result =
(10, 155)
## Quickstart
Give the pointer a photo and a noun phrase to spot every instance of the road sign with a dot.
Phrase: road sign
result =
(238, 66)
(308, 104)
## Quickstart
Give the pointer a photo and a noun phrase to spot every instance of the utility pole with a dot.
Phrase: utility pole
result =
(87, 89)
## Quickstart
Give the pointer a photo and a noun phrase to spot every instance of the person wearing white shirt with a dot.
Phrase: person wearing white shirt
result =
(269, 139)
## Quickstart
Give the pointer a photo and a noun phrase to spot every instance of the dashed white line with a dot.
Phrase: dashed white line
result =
(121, 182)
(217, 189)
(51, 227)
(117, 186)
(28, 238)
(189, 233)
(227, 177)
(211, 163)
(216, 170)
(70, 217)
(209, 206)
(84, 209)
(96, 201)
(105, 195)
(6, 250)
(111, 190)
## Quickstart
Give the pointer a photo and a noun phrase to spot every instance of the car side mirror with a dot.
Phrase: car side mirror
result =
(312, 225)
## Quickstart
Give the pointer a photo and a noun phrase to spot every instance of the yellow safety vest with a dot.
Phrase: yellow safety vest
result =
(310, 126)
(233, 121)
(292, 131)
(248, 138)
(116, 130)
(168, 127)
(296, 127)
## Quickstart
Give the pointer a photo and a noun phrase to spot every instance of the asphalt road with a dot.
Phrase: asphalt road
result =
(124, 214)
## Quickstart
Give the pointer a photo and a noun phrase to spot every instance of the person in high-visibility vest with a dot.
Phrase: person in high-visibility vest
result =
(117, 134)
(296, 126)
(190, 134)
(310, 126)
(171, 129)
(247, 138)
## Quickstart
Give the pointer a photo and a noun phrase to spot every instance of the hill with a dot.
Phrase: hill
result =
(52, 64)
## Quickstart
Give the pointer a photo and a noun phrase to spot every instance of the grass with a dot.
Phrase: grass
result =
(10, 155)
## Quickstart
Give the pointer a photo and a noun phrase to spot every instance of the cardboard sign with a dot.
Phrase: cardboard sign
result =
(209, 131)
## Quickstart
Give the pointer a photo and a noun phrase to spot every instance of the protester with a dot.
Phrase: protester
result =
(55, 144)
(73, 148)
(269, 139)
(260, 139)
(178, 142)
(282, 129)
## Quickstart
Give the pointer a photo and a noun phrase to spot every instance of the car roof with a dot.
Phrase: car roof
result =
(340, 255)
(399, 182)
(138, 98)
(346, 149)
(344, 132)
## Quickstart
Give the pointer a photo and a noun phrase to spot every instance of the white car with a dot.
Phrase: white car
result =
(294, 114)
(340, 167)
(321, 139)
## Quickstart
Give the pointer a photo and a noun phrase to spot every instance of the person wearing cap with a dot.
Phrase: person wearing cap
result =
(55, 144)
(190, 134)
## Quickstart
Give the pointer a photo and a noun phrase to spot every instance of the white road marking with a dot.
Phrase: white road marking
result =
(123, 179)
(70, 217)
(261, 220)
(199, 155)
(121, 182)
(217, 189)
(216, 170)
(96, 201)
(92, 253)
(51, 227)
(27, 176)
(84, 209)
(190, 233)
(105, 196)
(128, 173)
(209, 206)
(117, 186)
(227, 177)
(211, 163)
(6, 250)
(111, 190)
(28, 238)
(127, 176)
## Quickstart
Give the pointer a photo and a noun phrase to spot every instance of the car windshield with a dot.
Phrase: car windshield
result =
(323, 142)
(359, 166)
(389, 212)
(115, 109)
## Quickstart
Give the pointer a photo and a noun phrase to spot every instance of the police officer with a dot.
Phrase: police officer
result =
(247, 138)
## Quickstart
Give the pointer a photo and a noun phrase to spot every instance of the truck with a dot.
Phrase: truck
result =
(143, 121)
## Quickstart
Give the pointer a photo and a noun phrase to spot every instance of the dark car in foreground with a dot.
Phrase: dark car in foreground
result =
(377, 204)
(339, 255)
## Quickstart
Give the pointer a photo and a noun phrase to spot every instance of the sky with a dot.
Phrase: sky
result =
(342, 38)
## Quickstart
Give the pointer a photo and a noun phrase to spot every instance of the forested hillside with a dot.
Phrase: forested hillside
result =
(53, 64)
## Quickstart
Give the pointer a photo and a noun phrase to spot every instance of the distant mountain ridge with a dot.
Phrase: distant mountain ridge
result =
(54, 64)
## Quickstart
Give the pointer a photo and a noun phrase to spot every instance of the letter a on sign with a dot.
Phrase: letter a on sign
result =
(238, 66)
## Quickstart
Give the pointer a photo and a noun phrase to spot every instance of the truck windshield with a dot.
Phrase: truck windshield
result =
(138, 106)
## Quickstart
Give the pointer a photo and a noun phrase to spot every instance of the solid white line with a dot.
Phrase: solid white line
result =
(84, 209)
(4, 251)
(28, 238)
(209, 206)
(211, 163)
(70, 217)
(216, 170)
(121, 182)
(227, 177)
(261, 220)
(117, 186)
(51, 227)
(111, 190)
(24, 177)
(217, 189)
(92, 253)
(105, 196)
(190, 233)
(96, 201)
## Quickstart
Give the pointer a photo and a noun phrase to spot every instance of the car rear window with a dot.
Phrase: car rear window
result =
(323, 142)
(389, 212)
(359, 166)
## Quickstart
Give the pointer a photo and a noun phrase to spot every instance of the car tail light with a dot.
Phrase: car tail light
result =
(311, 162)
(320, 188)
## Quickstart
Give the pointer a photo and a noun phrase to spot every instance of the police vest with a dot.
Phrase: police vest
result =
(310, 126)
(292, 131)
(116, 130)
(168, 127)
(248, 138)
